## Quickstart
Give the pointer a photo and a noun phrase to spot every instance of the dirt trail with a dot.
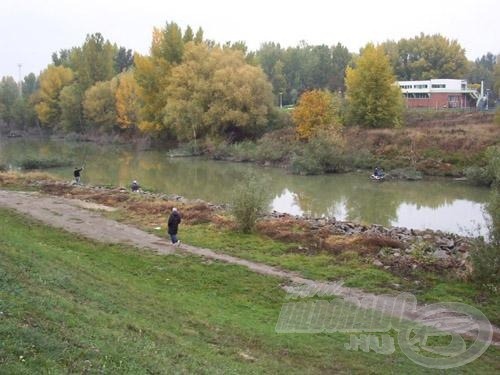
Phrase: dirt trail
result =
(84, 218)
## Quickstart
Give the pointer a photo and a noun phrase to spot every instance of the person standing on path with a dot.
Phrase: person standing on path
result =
(173, 225)
(76, 175)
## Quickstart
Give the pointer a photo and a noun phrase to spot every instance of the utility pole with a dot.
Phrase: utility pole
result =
(20, 82)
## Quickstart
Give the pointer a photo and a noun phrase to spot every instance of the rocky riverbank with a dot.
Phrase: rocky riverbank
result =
(400, 250)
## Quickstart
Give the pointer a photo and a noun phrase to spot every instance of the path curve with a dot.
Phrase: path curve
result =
(74, 216)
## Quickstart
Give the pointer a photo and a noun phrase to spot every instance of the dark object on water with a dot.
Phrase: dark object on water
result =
(378, 174)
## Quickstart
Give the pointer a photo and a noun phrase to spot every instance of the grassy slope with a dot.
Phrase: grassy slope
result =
(349, 267)
(70, 305)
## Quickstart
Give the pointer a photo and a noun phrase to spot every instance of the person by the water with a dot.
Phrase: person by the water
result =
(135, 186)
(173, 225)
(378, 173)
(76, 174)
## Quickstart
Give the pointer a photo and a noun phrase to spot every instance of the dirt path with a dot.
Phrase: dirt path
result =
(84, 218)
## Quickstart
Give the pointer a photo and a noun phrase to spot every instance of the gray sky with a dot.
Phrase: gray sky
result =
(31, 30)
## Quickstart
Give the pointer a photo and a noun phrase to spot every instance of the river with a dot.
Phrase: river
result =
(439, 204)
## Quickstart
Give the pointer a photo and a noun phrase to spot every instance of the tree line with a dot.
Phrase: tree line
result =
(190, 88)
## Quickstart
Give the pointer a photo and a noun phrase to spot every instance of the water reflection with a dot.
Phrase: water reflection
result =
(436, 204)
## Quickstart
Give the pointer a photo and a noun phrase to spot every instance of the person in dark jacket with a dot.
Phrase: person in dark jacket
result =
(135, 186)
(76, 175)
(173, 225)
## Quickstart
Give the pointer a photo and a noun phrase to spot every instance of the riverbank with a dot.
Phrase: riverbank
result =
(432, 149)
(429, 264)
(75, 305)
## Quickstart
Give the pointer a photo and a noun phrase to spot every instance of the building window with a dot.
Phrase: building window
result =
(438, 86)
(416, 95)
(421, 86)
(453, 101)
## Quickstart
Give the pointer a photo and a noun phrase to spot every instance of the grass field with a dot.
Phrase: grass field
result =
(69, 305)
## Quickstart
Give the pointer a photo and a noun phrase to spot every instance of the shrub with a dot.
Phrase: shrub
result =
(3, 167)
(478, 176)
(305, 164)
(249, 202)
(485, 255)
(320, 155)
(489, 175)
(32, 163)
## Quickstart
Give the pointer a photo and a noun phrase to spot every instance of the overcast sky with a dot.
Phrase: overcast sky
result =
(31, 30)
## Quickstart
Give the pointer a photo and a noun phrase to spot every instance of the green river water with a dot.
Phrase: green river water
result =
(439, 204)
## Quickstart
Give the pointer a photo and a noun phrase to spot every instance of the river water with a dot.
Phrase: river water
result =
(439, 204)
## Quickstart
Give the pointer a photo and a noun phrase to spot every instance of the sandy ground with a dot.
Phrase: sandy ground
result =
(84, 218)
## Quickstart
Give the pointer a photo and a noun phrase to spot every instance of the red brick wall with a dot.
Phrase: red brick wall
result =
(441, 100)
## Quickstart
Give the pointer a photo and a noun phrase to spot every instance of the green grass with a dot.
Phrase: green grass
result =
(69, 305)
(350, 268)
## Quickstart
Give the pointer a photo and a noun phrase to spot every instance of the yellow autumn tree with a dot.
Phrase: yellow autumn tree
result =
(52, 81)
(152, 74)
(373, 97)
(215, 92)
(127, 100)
(317, 112)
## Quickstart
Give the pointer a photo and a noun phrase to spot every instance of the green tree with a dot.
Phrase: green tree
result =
(99, 105)
(317, 112)
(23, 113)
(171, 46)
(341, 57)
(123, 60)
(70, 102)
(429, 56)
(198, 38)
(30, 85)
(374, 100)
(188, 35)
(483, 70)
(94, 61)
(63, 58)
(496, 77)
(9, 94)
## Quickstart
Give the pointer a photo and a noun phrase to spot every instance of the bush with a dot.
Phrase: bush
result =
(320, 155)
(3, 167)
(489, 175)
(43, 163)
(478, 176)
(274, 151)
(249, 202)
(305, 164)
(485, 255)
